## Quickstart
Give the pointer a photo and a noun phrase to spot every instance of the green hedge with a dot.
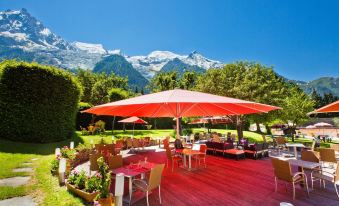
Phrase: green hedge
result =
(37, 103)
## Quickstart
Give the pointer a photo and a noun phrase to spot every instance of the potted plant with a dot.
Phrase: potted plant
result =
(104, 197)
(83, 186)
(55, 165)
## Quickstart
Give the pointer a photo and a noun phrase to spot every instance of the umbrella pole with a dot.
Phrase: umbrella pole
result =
(178, 135)
(133, 128)
(113, 125)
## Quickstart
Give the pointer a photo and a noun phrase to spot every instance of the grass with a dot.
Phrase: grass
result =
(44, 187)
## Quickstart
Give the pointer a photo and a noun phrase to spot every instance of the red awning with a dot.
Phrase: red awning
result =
(333, 107)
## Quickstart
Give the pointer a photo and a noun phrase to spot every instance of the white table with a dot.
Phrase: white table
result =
(295, 145)
(189, 153)
(130, 172)
(304, 164)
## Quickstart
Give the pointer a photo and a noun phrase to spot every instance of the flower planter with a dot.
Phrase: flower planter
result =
(106, 201)
(89, 197)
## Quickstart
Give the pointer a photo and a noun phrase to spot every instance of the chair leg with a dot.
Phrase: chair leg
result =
(293, 190)
(305, 181)
(147, 198)
(276, 184)
(336, 189)
(205, 162)
(167, 163)
(160, 195)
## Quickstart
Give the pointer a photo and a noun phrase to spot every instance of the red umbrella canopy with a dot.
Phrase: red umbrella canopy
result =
(179, 103)
(199, 121)
(135, 120)
(333, 107)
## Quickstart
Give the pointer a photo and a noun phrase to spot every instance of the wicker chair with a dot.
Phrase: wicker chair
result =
(335, 147)
(115, 161)
(93, 161)
(153, 182)
(129, 143)
(173, 158)
(311, 156)
(327, 155)
(332, 177)
(282, 171)
(281, 143)
(119, 145)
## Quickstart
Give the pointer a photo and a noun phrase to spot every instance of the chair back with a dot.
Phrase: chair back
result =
(327, 155)
(119, 143)
(129, 142)
(166, 143)
(93, 161)
(115, 161)
(281, 140)
(110, 148)
(311, 156)
(203, 148)
(135, 143)
(155, 177)
(282, 169)
(335, 147)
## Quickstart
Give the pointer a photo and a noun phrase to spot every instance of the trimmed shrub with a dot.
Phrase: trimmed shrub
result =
(37, 103)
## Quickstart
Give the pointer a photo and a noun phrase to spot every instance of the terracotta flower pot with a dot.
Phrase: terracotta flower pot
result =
(106, 201)
(88, 197)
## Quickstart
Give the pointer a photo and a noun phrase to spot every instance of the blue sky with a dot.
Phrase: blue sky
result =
(299, 38)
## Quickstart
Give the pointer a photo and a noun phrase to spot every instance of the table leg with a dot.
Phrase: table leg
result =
(189, 161)
(130, 190)
(295, 153)
(184, 160)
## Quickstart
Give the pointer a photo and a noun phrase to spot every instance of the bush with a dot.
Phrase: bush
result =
(37, 103)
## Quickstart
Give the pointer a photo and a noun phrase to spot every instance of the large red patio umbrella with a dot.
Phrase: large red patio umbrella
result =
(333, 107)
(179, 103)
(134, 120)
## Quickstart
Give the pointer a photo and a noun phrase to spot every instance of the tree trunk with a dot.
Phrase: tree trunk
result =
(268, 129)
(258, 127)
(239, 126)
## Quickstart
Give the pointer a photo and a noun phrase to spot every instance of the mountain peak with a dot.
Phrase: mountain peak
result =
(162, 55)
(28, 33)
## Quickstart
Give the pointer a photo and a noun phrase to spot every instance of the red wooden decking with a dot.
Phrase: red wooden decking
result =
(229, 182)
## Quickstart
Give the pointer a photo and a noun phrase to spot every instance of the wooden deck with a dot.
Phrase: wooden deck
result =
(229, 182)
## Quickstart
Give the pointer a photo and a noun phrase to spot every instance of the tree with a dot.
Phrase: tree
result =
(164, 81)
(103, 86)
(87, 79)
(328, 99)
(295, 107)
(318, 101)
(188, 80)
(116, 94)
(247, 81)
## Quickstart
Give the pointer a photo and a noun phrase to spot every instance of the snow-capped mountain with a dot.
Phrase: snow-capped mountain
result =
(24, 37)
(149, 65)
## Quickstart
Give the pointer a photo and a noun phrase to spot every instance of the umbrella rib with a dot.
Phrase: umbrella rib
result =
(143, 105)
(224, 108)
(240, 105)
(156, 111)
(190, 107)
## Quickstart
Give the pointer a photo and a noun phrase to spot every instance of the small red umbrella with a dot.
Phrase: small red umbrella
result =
(179, 103)
(134, 120)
